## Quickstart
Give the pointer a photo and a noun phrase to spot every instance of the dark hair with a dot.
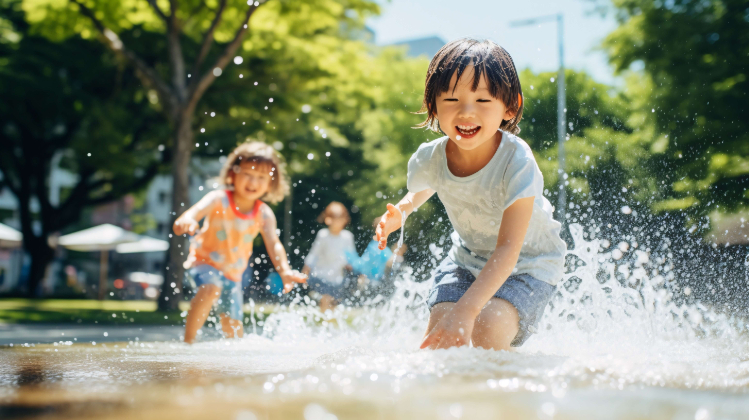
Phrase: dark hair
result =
(334, 209)
(488, 59)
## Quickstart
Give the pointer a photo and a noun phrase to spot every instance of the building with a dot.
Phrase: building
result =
(422, 47)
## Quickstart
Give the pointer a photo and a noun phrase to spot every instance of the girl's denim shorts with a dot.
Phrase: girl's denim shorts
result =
(526, 293)
(324, 288)
(230, 301)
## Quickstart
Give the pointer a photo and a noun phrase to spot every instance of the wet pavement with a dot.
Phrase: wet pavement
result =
(261, 379)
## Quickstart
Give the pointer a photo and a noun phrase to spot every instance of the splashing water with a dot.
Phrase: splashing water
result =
(612, 340)
(404, 216)
(397, 260)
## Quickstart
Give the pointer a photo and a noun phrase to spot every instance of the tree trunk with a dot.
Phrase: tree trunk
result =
(41, 255)
(171, 290)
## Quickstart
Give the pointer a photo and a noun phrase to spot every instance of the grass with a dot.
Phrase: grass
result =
(108, 312)
(78, 311)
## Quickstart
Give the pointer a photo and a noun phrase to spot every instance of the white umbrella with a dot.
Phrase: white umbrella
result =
(9, 237)
(144, 244)
(102, 238)
(730, 229)
(147, 278)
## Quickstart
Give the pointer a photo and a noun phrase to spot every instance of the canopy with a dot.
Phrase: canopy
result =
(730, 229)
(9, 237)
(146, 278)
(144, 244)
(99, 238)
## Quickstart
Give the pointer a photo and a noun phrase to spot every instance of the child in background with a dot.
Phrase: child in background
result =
(328, 259)
(507, 255)
(233, 216)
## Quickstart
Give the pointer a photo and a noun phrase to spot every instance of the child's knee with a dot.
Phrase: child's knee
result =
(499, 313)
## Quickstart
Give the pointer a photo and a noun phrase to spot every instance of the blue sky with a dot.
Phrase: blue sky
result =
(531, 46)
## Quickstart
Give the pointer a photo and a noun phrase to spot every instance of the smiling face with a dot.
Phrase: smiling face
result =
(251, 180)
(470, 118)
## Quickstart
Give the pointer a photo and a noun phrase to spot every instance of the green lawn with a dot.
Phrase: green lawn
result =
(108, 312)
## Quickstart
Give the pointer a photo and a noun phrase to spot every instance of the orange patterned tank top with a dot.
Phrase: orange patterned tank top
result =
(225, 240)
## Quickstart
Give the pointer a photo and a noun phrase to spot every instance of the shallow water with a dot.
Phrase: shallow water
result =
(606, 349)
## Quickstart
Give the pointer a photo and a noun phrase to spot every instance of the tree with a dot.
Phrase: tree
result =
(181, 75)
(694, 56)
(60, 100)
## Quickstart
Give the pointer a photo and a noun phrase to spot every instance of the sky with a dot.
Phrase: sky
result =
(532, 47)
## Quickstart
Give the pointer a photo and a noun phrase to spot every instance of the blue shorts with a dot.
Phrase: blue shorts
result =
(324, 288)
(526, 293)
(230, 300)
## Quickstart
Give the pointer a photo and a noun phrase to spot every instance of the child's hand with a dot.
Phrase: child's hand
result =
(453, 330)
(186, 225)
(290, 277)
(390, 222)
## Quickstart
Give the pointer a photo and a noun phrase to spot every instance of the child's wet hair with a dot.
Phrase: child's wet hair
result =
(334, 209)
(489, 60)
(262, 155)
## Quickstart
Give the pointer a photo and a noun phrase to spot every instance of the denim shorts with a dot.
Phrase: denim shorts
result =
(230, 300)
(526, 293)
(324, 288)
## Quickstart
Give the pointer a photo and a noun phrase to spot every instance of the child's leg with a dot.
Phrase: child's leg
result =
(232, 328)
(230, 307)
(200, 307)
(327, 302)
(496, 326)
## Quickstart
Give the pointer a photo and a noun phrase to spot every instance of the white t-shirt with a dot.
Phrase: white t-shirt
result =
(475, 205)
(327, 257)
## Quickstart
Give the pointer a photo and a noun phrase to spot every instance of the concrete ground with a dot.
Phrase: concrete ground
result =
(19, 334)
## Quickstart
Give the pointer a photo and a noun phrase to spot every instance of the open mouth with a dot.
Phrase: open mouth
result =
(467, 131)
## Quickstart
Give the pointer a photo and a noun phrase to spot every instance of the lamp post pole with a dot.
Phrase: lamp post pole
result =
(561, 108)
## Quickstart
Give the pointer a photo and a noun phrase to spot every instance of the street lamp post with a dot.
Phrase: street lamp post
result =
(561, 106)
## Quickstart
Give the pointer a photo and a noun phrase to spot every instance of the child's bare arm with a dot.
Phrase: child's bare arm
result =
(276, 251)
(392, 219)
(188, 221)
(456, 328)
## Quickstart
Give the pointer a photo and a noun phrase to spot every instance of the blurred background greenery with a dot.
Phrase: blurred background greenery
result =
(120, 95)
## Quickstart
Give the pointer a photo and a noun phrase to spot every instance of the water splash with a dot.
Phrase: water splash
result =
(614, 324)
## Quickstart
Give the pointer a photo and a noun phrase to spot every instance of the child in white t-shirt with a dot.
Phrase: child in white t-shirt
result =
(327, 263)
(507, 255)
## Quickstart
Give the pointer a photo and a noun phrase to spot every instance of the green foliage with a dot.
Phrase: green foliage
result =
(64, 103)
(695, 57)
